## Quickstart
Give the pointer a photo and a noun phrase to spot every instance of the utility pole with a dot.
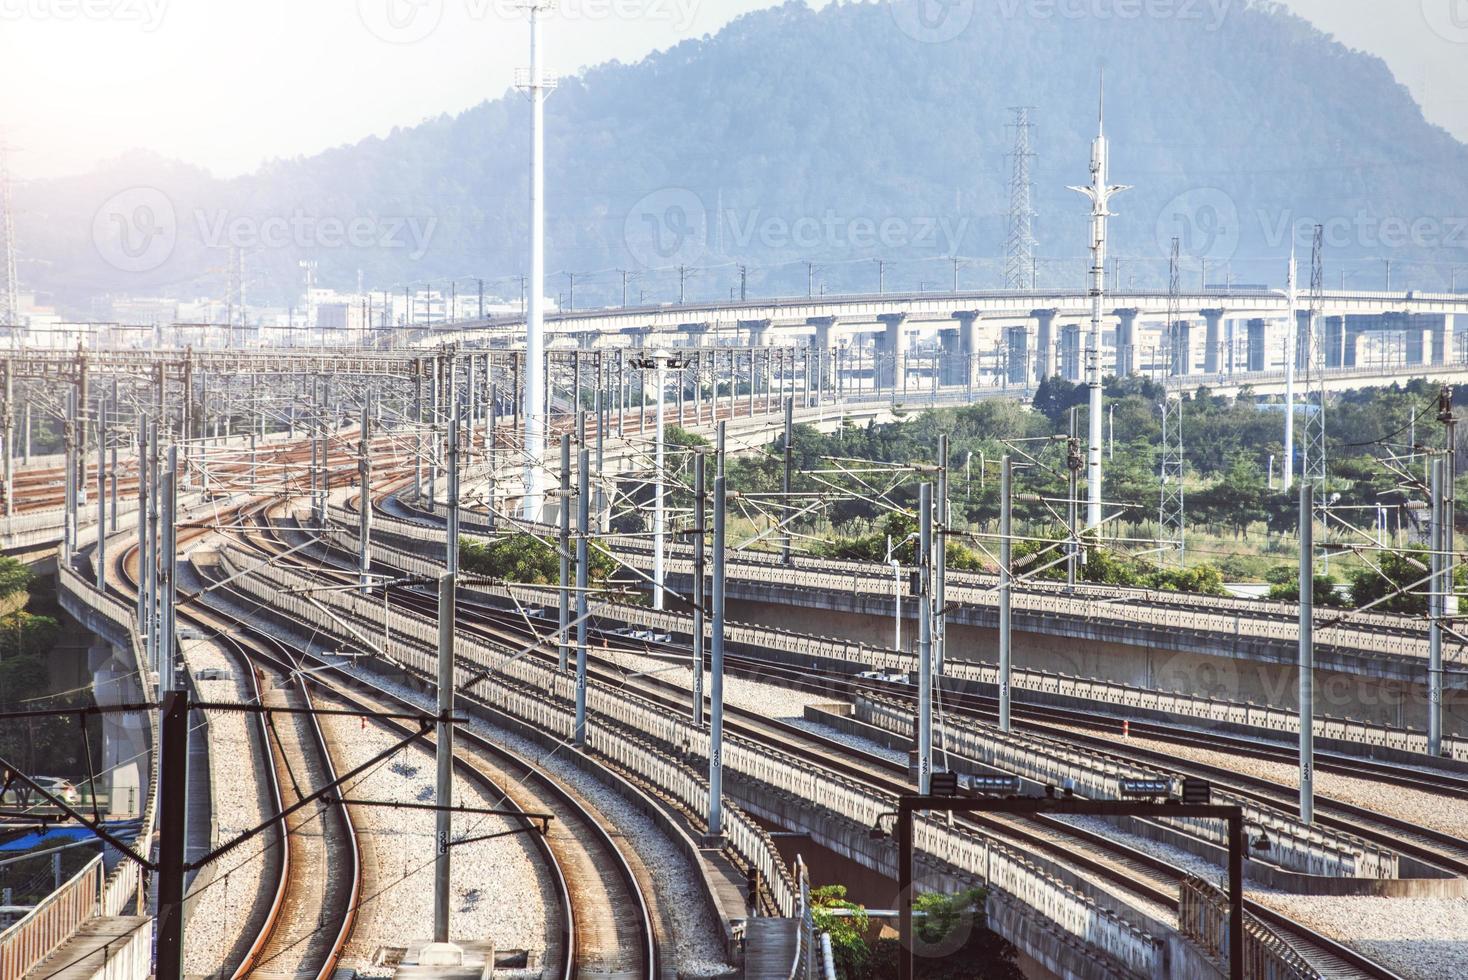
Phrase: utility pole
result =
(448, 584)
(364, 501)
(173, 776)
(940, 560)
(564, 596)
(785, 481)
(881, 266)
(1444, 549)
(925, 638)
(583, 534)
(1019, 246)
(1006, 530)
(1099, 193)
(571, 292)
(1307, 651)
(743, 283)
(716, 679)
(658, 522)
(534, 401)
(700, 548)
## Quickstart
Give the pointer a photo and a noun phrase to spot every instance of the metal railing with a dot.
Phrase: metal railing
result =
(1203, 917)
(51, 923)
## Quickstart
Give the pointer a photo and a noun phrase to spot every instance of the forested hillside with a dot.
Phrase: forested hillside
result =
(837, 136)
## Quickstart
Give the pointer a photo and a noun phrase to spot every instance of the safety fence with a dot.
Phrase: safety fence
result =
(412, 551)
(538, 694)
(1294, 846)
(1203, 917)
(51, 923)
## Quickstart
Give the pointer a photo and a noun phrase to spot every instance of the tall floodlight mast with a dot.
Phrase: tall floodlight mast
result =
(9, 287)
(1291, 344)
(1019, 246)
(1100, 194)
(536, 83)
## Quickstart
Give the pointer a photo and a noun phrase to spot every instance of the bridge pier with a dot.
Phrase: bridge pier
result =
(1126, 342)
(1070, 352)
(891, 368)
(1017, 358)
(758, 332)
(1255, 358)
(968, 335)
(637, 336)
(1044, 341)
(1444, 350)
(822, 352)
(1302, 339)
(1213, 339)
(1181, 361)
(695, 334)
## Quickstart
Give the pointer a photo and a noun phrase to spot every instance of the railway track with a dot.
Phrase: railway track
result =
(592, 871)
(308, 919)
(1118, 865)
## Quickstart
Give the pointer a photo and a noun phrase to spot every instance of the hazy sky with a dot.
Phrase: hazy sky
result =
(228, 84)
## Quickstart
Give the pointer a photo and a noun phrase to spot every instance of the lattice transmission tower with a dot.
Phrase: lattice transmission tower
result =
(1312, 462)
(1170, 514)
(1019, 246)
(9, 284)
(234, 290)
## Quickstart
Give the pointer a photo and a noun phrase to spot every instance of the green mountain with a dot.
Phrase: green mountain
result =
(839, 136)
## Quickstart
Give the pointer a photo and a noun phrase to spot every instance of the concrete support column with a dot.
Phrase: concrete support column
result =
(1017, 360)
(1442, 338)
(637, 336)
(1070, 352)
(1182, 348)
(1255, 352)
(1213, 338)
(951, 365)
(1335, 341)
(694, 334)
(967, 366)
(1044, 342)
(586, 339)
(1416, 342)
(823, 353)
(892, 352)
(757, 330)
(1126, 342)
